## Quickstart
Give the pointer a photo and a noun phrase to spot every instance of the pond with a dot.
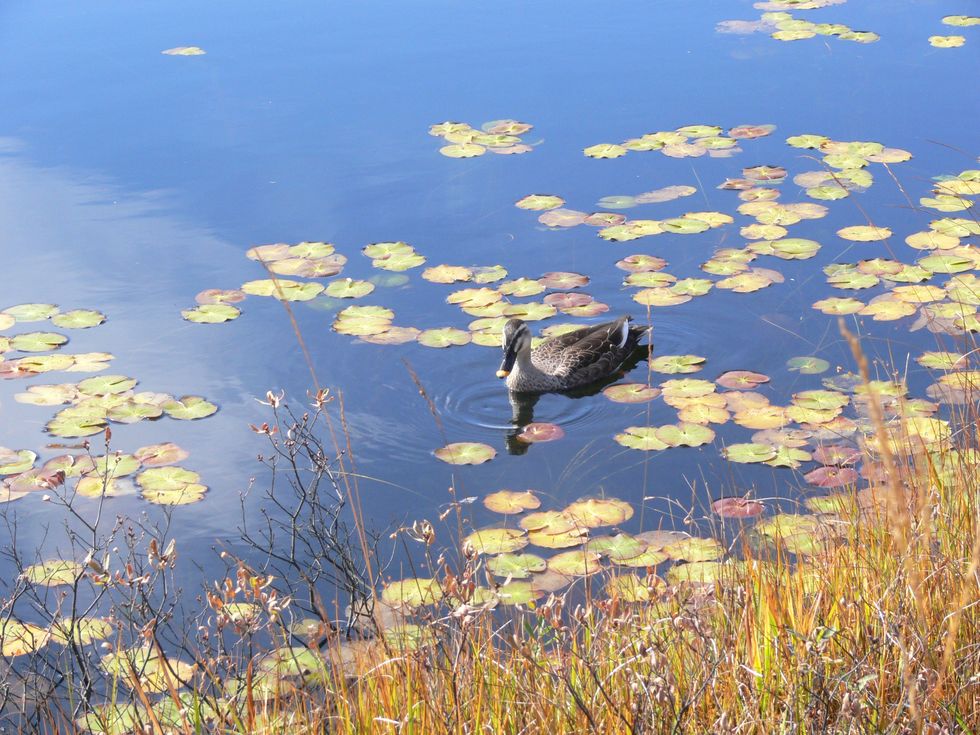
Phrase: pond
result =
(132, 180)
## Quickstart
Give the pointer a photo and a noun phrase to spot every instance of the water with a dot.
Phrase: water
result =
(130, 180)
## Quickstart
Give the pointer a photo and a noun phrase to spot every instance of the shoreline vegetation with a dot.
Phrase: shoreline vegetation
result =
(856, 614)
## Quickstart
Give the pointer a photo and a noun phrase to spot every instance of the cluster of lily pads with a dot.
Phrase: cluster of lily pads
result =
(688, 141)
(782, 26)
(517, 576)
(91, 404)
(149, 470)
(497, 136)
(954, 41)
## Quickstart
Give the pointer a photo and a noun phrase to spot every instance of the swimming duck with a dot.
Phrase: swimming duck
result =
(569, 360)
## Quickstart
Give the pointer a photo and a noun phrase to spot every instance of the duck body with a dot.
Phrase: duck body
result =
(569, 360)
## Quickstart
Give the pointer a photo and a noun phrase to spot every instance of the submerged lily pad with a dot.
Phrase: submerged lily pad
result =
(466, 453)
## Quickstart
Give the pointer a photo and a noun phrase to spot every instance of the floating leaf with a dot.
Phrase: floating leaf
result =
(864, 233)
(685, 434)
(562, 218)
(188, 408)
(54, 573)
(617, 548)
(748, 453)
(592, 512)
(511, 501)
(695, 549)
(445, 337)
(81, 630)
(17, 639)
(348, 288)
(14, 462)
(211, 313)
(220, 296)
(78, 319)
(540, 432)
(283, 289)
(838, 306)
(947, 41)
(631, 393)
(462, 150)
(517, 593)
(539, 202)
(808, 365)
(605, 150)
(741, 379)
(677, 364)
(630, 588)
(516, 566)
(497, 540)
(412, 593)
(170, 485)
(737, 507)
(703, 572)
(466, 453)
(184, 51)
(575, 563)
(641, 437)
(31, 312)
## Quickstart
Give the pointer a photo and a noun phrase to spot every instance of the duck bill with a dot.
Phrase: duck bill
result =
(510, 357)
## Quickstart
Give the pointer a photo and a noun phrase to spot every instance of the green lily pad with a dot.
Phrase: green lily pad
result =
(17, 639)
(510, 502)
(576, 563)
(189, 408)
(54, 572)
(631, 393)
(211, 313)
(684, 225)
(37, 341)
(699, 572)
(695, 549)
(497, 540)
(283, 289)
(348, 288)
(947, 41)
(961, 20)
(631, 588)
(808, 365)
(539, 202)
(31, 312)
(521, 287)
(444, 337)
(643, 438)
(447, 274)
(78, 319)
(593, 512)
(618, 547)
(412, 593)
(517, 593)
(105, 385)
(462, 150)
(941, 360)
(516, 566)
(864, 233)
(605, 150)
(13, 462)
(748, 453)
(649, 558)
(685, 434)
(838, 306)
(81, 630)
(466, 453)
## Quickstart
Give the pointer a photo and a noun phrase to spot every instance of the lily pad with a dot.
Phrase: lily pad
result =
(576, 563)
(695, 549)
(497, 540)
(211, 313)
(466, 453)
(348, 288)
(444, 337)
(593, 512)
(78, 319)
(631, 393)
(539, 202)
(31, 312)
(540, 432)
(741, 379)
(737, 507)
(808, 365)
(188, 408)
(830, 476)
(14, 462)
(677, 364)
(605, 150)
(864, 233)
(54, 573)
(748, 453)
(516, 566)
(412, 593)
(641, 437)
(170, 485)
(511, 502)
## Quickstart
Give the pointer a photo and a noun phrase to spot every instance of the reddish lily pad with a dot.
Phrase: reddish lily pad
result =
(737, 507)
(540, 432)
(741, 379)
(631, 393)
(830, 476)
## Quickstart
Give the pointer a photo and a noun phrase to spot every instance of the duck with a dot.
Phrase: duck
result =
(567, 361)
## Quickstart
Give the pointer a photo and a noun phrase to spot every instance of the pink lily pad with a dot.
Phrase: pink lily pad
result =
(829, 476)
(837, 454)
(563, 280)
(568, 300)
(562, 217)
(737, 507)
(741, 379)
(541, 432)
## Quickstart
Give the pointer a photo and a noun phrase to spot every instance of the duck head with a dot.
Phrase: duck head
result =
(516, 339)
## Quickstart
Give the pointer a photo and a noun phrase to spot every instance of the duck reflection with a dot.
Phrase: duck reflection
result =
(522, 404)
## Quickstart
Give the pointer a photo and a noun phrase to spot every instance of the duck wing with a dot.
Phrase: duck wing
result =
(589, 353)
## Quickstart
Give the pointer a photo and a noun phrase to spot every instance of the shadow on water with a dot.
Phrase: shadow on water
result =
(522, 404)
